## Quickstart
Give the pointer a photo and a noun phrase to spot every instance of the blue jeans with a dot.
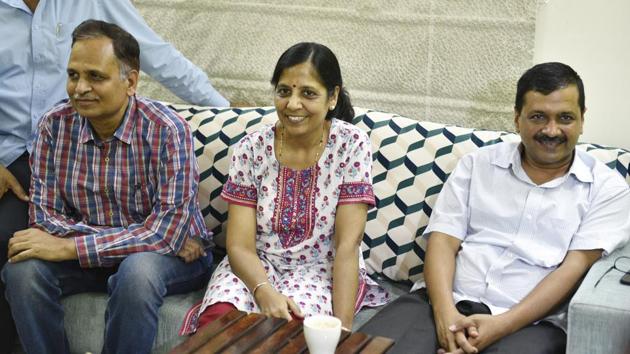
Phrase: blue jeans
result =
(136, 291)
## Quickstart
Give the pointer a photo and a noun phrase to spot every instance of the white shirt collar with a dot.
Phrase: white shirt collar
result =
(579, 168)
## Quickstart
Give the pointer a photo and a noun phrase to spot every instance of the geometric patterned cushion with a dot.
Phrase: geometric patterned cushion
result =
(215, 132)
(412, 160)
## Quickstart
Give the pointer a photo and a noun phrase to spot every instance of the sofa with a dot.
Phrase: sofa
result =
(412, 160)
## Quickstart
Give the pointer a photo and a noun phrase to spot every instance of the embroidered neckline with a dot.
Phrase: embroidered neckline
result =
(295, 210)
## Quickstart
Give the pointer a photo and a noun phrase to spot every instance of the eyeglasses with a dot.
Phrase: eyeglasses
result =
(621, 264)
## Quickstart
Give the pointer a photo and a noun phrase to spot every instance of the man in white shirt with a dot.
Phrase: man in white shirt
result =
(513, 231)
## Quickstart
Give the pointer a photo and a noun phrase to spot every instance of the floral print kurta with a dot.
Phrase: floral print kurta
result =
(295, 216)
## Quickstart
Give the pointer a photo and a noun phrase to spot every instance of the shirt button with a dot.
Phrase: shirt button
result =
(111, 213)
(107, 159)
(106, 190)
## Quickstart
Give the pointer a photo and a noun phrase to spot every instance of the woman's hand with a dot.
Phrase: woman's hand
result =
(349, 225)
(241, 249)
(274, 304)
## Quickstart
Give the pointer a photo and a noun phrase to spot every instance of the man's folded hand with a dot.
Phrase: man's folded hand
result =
(35, 243)
(191, 251)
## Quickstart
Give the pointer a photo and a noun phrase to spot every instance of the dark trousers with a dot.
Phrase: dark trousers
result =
(409, 321)
(13, 217)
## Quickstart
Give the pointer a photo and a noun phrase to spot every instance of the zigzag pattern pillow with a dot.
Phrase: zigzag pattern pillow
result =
(412, 160)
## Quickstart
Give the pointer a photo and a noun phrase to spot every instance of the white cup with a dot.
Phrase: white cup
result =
(322, 333)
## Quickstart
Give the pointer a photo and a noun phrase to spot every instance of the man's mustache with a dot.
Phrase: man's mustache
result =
(543, 138)
(81, 97)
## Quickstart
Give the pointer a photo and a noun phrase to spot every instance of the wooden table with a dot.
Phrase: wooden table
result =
(238, 332)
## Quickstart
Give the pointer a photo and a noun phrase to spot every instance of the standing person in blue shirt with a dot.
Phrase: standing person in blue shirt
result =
(514, 229)
(34, 52)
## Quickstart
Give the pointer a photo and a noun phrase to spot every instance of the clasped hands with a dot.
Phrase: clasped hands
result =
(461, 334)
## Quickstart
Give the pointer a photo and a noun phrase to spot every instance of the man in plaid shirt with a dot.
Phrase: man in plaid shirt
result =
(113, 203)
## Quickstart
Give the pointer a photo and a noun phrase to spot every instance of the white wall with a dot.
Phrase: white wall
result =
(593, 37)
(452, 61)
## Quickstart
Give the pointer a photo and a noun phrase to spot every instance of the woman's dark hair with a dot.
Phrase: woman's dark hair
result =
(327, 67)
(546, 78)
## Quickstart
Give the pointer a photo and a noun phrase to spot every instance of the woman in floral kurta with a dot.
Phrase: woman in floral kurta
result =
(295, 213)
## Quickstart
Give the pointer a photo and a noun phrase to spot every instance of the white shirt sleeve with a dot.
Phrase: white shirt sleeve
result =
(606, 225)
(451, 213)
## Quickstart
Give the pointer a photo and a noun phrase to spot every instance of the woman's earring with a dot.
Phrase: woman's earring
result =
(332, 108)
